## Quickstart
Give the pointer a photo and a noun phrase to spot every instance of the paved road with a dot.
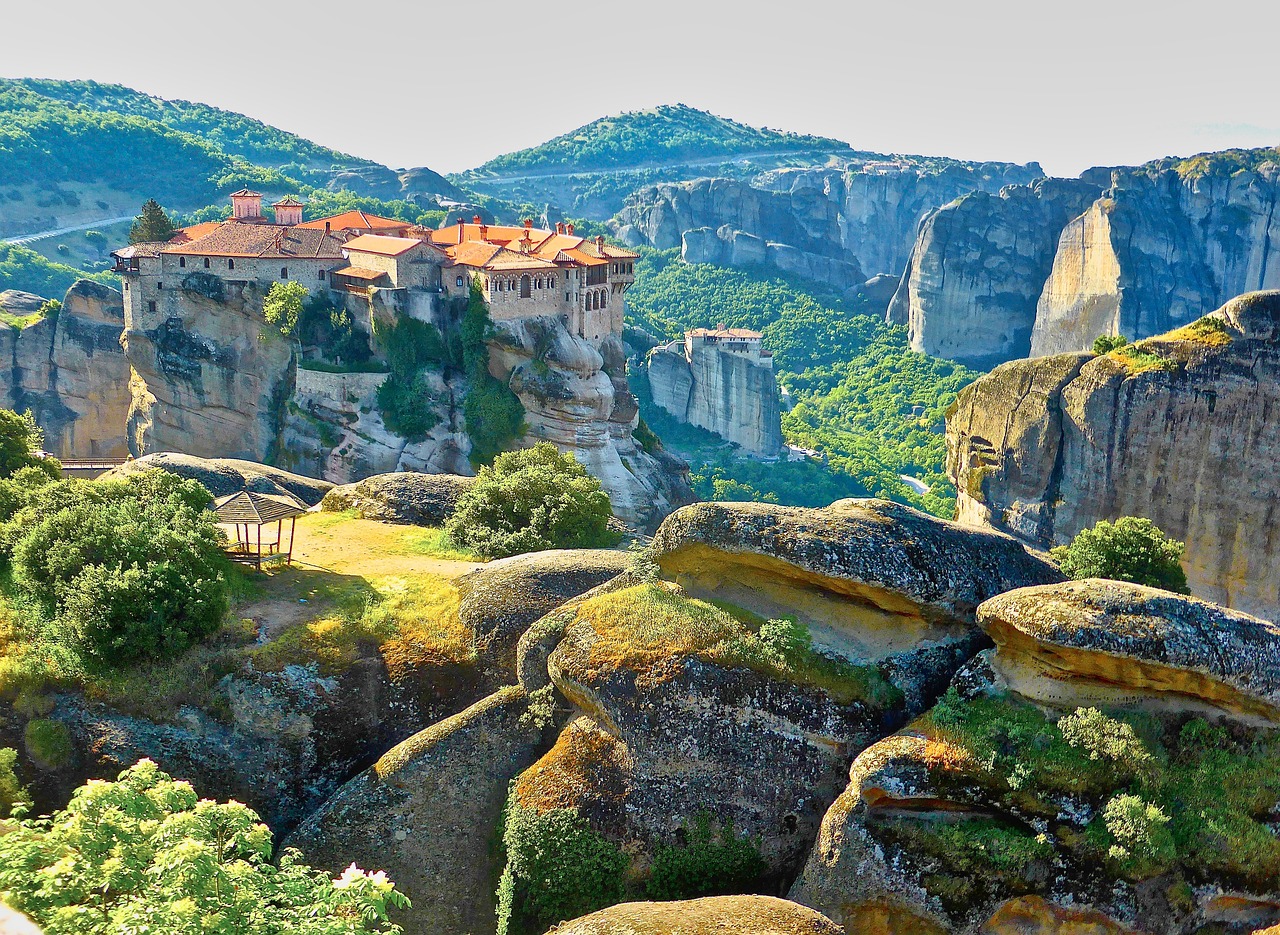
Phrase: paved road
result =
(620, 170)
(42, 235)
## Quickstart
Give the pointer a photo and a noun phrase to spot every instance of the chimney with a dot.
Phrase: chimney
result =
(528, 223)
(559, 227)
(569, 230)
(600, 244)
(721, 326)
(326, 227)
(475, 219)
(461, 229)
(484, 230)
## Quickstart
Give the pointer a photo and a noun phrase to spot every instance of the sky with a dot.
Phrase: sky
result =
(450, 85)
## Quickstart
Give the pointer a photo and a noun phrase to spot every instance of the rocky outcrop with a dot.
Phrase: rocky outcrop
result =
(575, 396)
(405, 497)
(501, 600)
(426, 812)
(976, 270)
(70, 371)
(729, 394)
(1114, 644)
(831, 224)
(742, 915)
(222, 476)
(209, 377)
(1176, 429)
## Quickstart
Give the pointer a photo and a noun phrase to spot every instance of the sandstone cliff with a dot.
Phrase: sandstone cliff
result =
(1179, 429)
(575, 396)
(836, 224)
(71, 372)
(971, 286)
(728, 394)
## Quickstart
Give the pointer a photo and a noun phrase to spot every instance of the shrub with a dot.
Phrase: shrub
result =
(710, 863)
(48, 742)
(20, 440)
(1143, 845)
(125, 568)
(283, 305)
(1130, 549)
(531, 500)
(557, 868)
(1106, 343)
(11, 790)
(407, 406)
(176, 863)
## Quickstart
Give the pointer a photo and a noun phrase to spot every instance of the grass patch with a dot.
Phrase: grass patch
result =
(1136, 358)
(1208, 330)
(435, 542)
(640, 626)
(18, 322)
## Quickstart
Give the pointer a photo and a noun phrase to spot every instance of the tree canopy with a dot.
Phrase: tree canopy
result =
(152, 225)
(144, 855)
(1130, 549)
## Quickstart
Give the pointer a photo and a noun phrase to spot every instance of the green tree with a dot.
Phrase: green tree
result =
(1130, 549)
(532, 500)
(11, 791)
(493, 414)
(283, 305)
(96, 239)
(1106, 343)
(152, 225)
(126, 568)
(145, 854)
(20, 440)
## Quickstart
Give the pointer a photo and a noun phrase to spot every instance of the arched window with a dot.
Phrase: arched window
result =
(537, 283)
(551, 281)
(284, 272)
(182, 261)
(231, 264)
(604, 299)
(206, 262)
(526, 287)
(321, 276)
(458, 281)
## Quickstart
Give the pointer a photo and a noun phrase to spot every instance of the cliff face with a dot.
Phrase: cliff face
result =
(971, 285)
(1179, 429)
(724, 393)
(836, 225)
(575, 396)
(71, 372)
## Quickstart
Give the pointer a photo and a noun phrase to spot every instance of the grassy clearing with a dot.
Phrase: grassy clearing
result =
(1208, 330)
(640, 626)
(1138, 358)
(434, 542)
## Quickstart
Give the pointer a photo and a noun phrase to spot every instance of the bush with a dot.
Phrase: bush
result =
(558, 868)
(708, 864)
(1143, 844)
(407, 406)
(48, 742)
(532, 500)
(20, 440)
(1130, 549)
(283, 305)
(1106, 343)
(179, 864)
(125, 568)
(11, 790)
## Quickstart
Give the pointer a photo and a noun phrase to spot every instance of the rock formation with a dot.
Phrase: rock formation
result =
(70, 371)
(1177, 429)
(404, 497)
(222, 476)
(1131, 251)
(742, 915)
(731, 394)
(575, 396)
(992, 815)
(828, 224)
(975, 274)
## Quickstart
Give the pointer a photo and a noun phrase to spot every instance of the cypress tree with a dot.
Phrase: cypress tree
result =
(152, 225)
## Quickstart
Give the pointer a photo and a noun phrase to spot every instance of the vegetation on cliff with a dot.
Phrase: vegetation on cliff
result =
(531, 500)
(145, 853)
(27, 271)
(872, 406)
(1130, 549)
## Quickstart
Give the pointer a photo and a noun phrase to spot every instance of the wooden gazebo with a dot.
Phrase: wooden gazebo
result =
(247, 509)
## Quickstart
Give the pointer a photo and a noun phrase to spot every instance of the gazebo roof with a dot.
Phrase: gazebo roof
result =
(256, 508)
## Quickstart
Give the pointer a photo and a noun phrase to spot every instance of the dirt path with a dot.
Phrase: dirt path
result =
(59, 231)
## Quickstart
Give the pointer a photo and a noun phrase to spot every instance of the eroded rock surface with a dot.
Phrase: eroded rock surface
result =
(404, 497)
(1178, 429)
(711, 915)
(222, 476)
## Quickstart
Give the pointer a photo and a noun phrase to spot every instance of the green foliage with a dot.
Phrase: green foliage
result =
(145, 854)
(1130, 549)
(152, 225)
(1106, 343)
(711, 862)
(27, 271)
(123, 569)
(283, 305)
(48, 742)
(557, 868)
(12, 791)
(407, 405)
(20, 440)
(493, 414)
(1105, 738)
(870, 404)
(409, 345)
(329, 329)
(531, 500)
(1143, 844)
(667, 133)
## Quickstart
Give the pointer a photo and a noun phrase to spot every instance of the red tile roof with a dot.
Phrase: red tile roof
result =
(238, 238)
(382, 246)
(194, 232)
(357, 220)
(739, 333)
(358, 272)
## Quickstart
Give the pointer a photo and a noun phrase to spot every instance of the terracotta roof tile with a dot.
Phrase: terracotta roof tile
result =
(237, 238)
(726, 333)
(357, 220)
(382, 246)
(359, 272)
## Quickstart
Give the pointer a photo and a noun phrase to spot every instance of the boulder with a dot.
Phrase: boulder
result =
(427, 812)
(404, 497)
(1176, 428)
(17, 302)
(1111, 643)
(222, 476)
(502, 599)
(711, 915)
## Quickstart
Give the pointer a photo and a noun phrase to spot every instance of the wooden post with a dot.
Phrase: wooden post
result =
(259, 547)
(293, 528)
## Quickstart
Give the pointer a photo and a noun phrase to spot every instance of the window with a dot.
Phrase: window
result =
(458, 281)
(320, 276)
(151, 306)
(182, 261)
(206, 262)
(231, 264)
(159, 285)
(284, 272)
(526, 287)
